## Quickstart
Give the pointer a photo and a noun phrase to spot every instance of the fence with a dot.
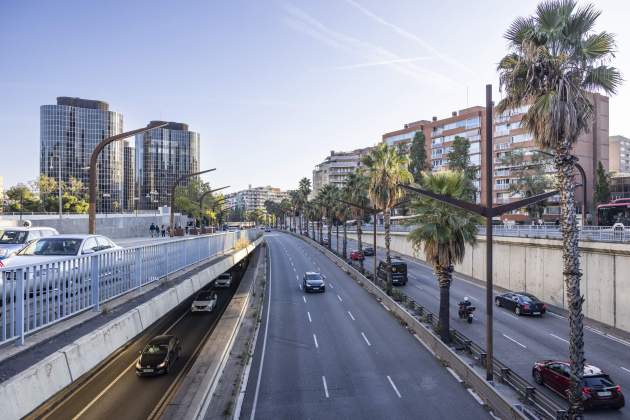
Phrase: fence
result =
(38, 295)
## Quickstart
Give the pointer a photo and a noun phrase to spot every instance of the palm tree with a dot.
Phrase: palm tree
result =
(295, 199)
(304, 188)
(555, 61)
(328, 197)
(386, 169)
(341, 215)
(355, 191)
(442, 233)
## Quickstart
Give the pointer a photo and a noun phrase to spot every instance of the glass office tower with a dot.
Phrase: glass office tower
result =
(162, 156)
(69, 133)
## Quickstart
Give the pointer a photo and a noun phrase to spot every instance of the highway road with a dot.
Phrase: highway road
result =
(115, 391)
(340, 354)
(518, 341)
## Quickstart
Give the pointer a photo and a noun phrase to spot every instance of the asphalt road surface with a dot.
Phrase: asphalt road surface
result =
(339, 354)
(518, 341)
(115, 391)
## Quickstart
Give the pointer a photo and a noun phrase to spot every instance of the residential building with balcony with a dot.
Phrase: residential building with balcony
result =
(254, 198)
(619, 154)
(336, 168)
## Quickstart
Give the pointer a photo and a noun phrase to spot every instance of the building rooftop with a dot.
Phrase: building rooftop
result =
(82, 103)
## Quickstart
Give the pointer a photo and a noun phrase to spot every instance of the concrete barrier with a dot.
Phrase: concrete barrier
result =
(157, 307)
(22, 393)
(184, 290)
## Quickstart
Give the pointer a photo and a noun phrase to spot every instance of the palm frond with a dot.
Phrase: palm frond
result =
(603, 78)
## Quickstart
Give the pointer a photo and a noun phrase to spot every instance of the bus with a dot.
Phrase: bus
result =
(617, 211)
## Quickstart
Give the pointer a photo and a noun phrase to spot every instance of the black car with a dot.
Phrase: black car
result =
(368, 251)
(399, 271)
(158, 356)
(521, 303)
(313, 282)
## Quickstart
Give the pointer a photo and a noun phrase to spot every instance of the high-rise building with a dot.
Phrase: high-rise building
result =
(336, 167)
(162, 156)
(69, 133)
(619, 154)
(403, 138)
(254, 198)
(129, 177)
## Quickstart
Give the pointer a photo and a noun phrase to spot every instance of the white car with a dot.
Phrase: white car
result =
(205, 301)
(15, 238)
(224, 280)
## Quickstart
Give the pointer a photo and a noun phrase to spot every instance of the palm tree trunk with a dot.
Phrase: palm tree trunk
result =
(444, 277)
(300, 219)
(329, 233)
(321, 232)
(388, 257)
(565, 166)
(345, 240)
(359, 241)
(337, 247)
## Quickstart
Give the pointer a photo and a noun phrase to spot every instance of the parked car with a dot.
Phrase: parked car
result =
(14, 239)
(313, 282)
(158, 356)
(356, 255)
(399, 271)
(325, 242)
(598, 389)
(224, 280)
(267, 229)
(368, 251)
(521, 303)
(205, 301)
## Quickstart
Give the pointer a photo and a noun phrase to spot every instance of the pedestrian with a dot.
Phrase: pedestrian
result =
(152, 229)
(557, 222)
(186, 229)
(163, 231)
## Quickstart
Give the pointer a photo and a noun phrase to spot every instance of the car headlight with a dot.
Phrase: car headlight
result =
(3, 252)
(162, 365)
(138, 365)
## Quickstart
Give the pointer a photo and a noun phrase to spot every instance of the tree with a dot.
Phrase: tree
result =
(459, 160)
(601, 192)
(355, 191)
(21, 198)
(418, 156)
(442, 232)
(328, 197)
(555, 60)
(73, 204)
(305, 189)
(386, 169)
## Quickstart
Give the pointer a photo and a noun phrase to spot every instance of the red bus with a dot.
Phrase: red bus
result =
(617, 211)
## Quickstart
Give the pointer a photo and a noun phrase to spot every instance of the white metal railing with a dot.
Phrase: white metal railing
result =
(38, 295)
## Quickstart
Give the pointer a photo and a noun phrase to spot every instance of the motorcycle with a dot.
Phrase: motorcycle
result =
(466, 312)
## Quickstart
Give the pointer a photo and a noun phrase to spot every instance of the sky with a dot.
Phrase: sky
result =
(271, 86)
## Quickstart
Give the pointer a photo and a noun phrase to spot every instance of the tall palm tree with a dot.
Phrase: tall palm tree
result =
(341, 215)
(386, 169)
(442, 233)
(295, 200)
(328, 197)
(355, 191)
(304, 187)
(556, 60)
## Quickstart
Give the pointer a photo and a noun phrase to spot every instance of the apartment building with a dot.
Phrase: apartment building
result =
(619, 154)
(254, 198)
(336, 167)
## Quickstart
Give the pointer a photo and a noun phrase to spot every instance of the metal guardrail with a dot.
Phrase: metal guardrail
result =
(39, 295)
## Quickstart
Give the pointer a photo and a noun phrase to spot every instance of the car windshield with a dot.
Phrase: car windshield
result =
(13, 237)
(155, 349)
(529, 298)
(313, 277)
(204, 296)
(598, 381)
(224, 276)
(52, 246)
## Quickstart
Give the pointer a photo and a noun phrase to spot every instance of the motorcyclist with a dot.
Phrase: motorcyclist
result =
(464, 305)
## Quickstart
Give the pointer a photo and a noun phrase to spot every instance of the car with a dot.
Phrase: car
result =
(158, 355)
(223, 281)
(356, 255)
(399, 271)
(598, 389)
(14, 239)
(205, 301)
(368, 251)
(521, 303)
(267, 229)
(325, 242)
(313, 282)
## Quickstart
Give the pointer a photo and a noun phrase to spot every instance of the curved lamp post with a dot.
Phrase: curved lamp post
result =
(180, 179)
(92, 168)
(209, 192)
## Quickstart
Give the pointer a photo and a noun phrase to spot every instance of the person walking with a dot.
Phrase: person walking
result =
(152, 229)
(163, 231)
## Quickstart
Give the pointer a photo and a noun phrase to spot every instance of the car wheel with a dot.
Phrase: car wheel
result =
(538, 377)
(497, 302)
(517, 310)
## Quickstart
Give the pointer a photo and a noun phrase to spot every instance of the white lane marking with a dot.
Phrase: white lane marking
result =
(474, 298)
(325, 386)
(350, 313)
(315, 340)
(393, 386)
(331, 285)
(304, 299)
(455, 375)
(556, 315)
(385, 306)
(300, 286)
(419, 287)
(339, 297)
(309, 317)
(559, 338)
(610, 337)
(294, 270)
(627, 370)
(475, 396)
(297, 277)
(514, 341)
(366, 340)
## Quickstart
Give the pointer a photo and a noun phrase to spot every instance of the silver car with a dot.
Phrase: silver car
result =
(15, 238)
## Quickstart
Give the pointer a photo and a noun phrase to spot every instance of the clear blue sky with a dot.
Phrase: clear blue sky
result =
(272, 86)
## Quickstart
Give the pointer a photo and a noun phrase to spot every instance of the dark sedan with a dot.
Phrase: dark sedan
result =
(158, 356)
(313, 282)
(598, 390)
(521, 303)
(368, 251)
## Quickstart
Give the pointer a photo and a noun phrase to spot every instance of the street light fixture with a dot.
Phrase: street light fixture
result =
(210, 192)
(172, 194)
(58, 182)
(92, 167)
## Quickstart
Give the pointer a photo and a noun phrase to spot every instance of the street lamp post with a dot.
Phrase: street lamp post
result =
(177, 181)
(209, 192)
(93, 162)
(59, 183)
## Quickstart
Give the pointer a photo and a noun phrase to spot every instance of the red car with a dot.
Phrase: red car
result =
(356, 255)
(598, 390)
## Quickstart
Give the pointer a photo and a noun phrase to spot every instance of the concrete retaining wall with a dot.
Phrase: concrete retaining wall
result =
(535, 266)
(27, 390)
